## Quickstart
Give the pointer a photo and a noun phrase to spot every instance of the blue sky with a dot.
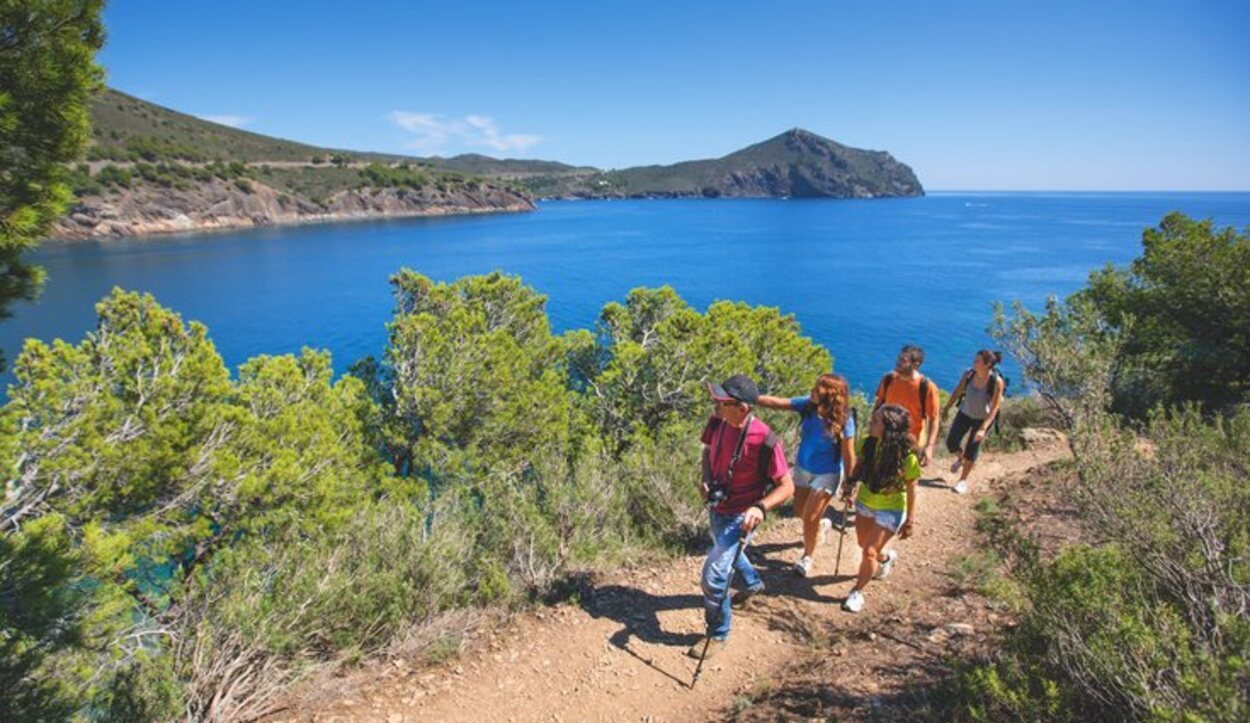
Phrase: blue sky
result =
(973, 95)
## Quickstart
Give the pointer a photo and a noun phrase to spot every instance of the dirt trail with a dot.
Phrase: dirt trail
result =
(619, 654)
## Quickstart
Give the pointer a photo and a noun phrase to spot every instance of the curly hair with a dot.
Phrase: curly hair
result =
(831, 400)
(883, 468)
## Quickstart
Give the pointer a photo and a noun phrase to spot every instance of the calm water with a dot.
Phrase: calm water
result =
(862, 277)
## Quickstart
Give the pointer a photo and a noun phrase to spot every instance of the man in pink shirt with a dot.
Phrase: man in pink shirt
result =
(742, 458)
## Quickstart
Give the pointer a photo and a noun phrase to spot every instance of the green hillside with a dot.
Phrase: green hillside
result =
(797, 163)
(125, 128)
(136, 143)
(478, 164)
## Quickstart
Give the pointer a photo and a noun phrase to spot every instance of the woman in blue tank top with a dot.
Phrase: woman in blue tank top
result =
(826, 447)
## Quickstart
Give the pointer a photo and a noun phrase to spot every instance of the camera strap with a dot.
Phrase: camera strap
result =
(739, 447)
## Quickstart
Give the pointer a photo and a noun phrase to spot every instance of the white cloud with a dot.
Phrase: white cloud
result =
(434, 132)
(228, 119)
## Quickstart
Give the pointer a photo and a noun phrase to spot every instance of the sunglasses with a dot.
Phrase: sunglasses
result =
(724, 403)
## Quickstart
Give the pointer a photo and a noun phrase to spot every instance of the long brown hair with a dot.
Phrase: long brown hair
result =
(883, 470)
(831, 400)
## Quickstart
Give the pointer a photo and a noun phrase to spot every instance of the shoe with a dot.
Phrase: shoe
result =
(961, 487)
(884, 568)
(714, 646)
(959, 462)
(826, 526)
(854, 602)
(803, 567)
(740, 597)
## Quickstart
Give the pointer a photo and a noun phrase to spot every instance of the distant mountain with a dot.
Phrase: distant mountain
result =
(795, 164)
(153, 170)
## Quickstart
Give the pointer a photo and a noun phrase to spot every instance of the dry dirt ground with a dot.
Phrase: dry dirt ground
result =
(618, 654)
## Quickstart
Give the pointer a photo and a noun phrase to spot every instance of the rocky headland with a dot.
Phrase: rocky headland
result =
(221, 204)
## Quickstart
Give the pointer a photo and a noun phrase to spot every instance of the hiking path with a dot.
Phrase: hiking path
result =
(619, 652)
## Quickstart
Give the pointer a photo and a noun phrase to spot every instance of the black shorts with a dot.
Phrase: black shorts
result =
(964, 426)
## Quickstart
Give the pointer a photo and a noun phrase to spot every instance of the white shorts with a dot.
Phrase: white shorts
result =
(827, 483)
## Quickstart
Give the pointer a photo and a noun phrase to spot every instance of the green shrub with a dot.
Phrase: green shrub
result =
(280, 521)
(1184, 309)
(1150, 625)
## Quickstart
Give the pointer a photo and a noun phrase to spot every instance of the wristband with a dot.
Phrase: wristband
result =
(763, 510)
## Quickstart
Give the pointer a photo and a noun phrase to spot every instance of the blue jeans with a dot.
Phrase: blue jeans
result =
(726, 530)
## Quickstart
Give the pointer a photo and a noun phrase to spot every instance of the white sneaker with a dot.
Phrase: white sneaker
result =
(959, 462)
(826, 526)
(803, 567)
(961, 487)
(883, 568)
(854, 602)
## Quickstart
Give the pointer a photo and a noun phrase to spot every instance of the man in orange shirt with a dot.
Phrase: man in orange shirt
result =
(908, 388)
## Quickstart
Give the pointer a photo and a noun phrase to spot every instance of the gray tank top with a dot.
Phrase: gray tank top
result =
(977, 400)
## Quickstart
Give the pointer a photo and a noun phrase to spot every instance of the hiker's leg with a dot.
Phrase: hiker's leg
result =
(972, 451)
(716, 571)
(750, 576)
(876, 539)
(801, 496)
(865, 536)
(955, 435)
(817, 502)
(961, 427)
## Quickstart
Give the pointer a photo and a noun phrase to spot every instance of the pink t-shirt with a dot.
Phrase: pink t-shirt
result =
(750, 479)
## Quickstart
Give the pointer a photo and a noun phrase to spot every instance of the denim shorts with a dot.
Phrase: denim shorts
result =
(827, 483)
(891, 520)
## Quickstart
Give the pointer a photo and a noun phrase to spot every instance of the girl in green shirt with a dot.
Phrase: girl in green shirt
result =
(885, 504)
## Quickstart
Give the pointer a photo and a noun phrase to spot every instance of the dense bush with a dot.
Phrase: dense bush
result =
(400, 176)
(1152, 623)
(1184, 309)
(175, 542)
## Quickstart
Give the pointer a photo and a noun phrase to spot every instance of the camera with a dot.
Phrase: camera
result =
(716, 495)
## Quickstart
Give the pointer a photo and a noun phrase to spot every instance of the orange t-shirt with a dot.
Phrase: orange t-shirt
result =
(906, 393)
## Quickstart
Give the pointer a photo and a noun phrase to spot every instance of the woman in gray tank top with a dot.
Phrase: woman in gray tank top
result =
(979, 395)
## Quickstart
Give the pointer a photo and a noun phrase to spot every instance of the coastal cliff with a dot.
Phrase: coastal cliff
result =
(221, 204)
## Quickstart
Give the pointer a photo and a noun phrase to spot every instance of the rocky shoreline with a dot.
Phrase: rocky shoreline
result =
(224, 205)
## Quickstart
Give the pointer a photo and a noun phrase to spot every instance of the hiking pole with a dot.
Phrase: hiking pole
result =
(707, 641)
(846, 507)
(846, 510)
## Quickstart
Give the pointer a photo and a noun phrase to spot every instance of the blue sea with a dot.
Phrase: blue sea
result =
(862, 276)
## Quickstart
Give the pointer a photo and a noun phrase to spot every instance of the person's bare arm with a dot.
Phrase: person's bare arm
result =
(933, 425)
(848, 484)
(906, 530)
(768, 402)
(950, 401)
(706, 477)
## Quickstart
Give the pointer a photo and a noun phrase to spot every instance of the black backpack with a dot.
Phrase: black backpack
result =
(995, 378)
(924, 393)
